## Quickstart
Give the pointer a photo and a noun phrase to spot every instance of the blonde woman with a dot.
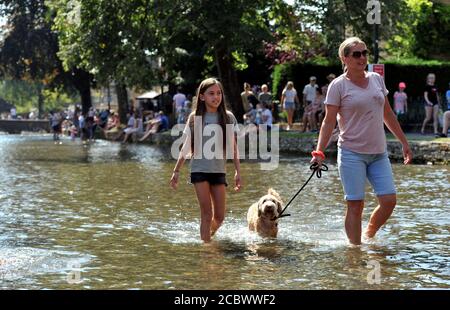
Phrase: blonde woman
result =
(288, 100)
(432, 104)
(359, 99)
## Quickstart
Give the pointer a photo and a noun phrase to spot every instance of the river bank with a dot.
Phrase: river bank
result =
(426, 149)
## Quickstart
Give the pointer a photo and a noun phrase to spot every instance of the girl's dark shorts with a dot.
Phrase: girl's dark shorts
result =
(211, 178)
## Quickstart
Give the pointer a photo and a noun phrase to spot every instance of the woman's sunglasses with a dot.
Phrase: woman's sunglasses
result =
(357, 54)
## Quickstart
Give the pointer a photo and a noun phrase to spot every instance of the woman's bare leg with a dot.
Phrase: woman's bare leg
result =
(428, 115)
(435, 118)
(381, 214)
(353, 220)
(290, 117)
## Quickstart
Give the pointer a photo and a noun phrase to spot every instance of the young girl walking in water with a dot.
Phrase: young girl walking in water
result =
(207, 166)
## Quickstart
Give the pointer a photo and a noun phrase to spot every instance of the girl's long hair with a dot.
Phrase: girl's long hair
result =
(199, 109)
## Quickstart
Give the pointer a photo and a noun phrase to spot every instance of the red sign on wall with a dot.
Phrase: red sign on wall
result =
(378, 68)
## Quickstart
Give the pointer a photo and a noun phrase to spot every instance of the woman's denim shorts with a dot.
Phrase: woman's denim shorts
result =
(355, 168)
(289, 105)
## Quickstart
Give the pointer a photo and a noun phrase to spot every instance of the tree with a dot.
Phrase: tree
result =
(21, 94)
(228, 32)
(408, 28)
(432, 35)
(25, 49)
(296, 35)
(337, 20)
(29, 50)
(24, 95)
(422, 31)
(121, 40)
(114, 40)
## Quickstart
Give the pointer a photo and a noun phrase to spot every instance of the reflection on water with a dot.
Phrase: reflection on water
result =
(103, 216)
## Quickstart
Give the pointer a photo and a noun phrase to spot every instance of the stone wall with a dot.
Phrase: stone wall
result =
(423, 151)
(17, 125)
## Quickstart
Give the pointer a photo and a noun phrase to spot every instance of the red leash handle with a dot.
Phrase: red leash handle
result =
(318, 154)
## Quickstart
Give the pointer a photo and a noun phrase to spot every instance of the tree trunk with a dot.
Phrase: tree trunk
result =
(82, 82)
(122, 101)
(40, 101)
(86, 102)
(228, 77)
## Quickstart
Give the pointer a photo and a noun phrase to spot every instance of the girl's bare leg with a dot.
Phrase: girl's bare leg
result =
(202, 189)
(218, 196)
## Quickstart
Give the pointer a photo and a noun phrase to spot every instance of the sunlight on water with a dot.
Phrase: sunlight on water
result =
(23, 263)
(102, 216)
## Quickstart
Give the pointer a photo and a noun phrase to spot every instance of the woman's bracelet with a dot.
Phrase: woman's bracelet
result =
(318, 154)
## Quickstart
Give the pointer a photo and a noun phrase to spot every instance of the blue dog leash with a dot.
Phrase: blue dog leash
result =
(316, 170)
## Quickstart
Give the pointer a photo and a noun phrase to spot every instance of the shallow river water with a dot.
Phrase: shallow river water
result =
(102, 216)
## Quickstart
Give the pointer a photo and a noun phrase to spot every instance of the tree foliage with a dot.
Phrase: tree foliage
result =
(117, 41)
(228, 33)
(143, 43)
(114, 40)
(423, 31)
(24, 95)
(29, 50)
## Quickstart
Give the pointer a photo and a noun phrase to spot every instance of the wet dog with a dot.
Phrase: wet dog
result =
(261, 214)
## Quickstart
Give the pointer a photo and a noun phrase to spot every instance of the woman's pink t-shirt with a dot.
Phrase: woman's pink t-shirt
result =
(361, 113)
